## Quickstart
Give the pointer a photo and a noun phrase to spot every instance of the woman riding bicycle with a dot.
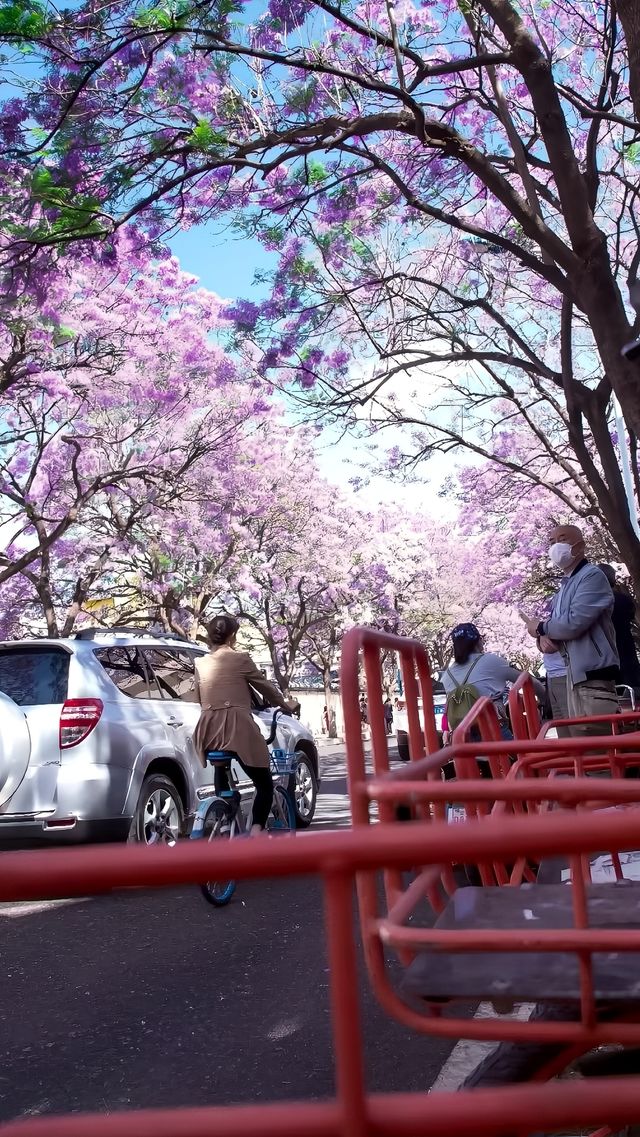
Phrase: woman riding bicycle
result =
(223, 681)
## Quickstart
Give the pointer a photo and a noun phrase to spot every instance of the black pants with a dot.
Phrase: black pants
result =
(262, 780)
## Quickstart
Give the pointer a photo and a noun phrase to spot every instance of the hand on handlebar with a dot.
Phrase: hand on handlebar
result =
(293, 706)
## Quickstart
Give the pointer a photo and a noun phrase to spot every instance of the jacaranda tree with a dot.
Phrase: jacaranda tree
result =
(450, 185)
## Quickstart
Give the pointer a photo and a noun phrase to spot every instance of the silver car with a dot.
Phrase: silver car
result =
(96, 740)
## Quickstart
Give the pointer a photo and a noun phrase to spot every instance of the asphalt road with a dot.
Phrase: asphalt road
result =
(157, 999)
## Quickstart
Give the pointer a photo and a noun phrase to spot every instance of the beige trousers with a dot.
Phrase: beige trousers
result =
(557, 692)
(594, 697)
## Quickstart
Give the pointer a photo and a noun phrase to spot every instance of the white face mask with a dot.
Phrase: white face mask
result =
(561, 555)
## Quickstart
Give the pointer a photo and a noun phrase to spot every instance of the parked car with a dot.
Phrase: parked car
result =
(402, 726)
(96, 740)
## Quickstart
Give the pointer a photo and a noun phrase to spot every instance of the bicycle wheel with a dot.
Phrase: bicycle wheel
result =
(218, 825)
(282, 818)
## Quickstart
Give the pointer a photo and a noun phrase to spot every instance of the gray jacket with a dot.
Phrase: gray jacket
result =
(581, 624)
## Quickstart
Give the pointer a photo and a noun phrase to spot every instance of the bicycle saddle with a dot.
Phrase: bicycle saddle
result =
(220, 757)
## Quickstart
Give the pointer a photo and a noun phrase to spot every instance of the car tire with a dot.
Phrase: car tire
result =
(402, 742)
(303, 788)
(159, 815)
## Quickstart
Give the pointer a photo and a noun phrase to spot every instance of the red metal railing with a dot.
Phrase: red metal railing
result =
(338, 857)
(608, 1102)
(361, 649)
(523, 708)
(524, 714)
(621, 723)
(361, 854)
(523, 796)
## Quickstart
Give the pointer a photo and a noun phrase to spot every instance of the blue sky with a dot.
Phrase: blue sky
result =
(225, 264)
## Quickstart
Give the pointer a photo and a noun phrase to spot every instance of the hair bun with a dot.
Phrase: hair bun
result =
(221, 628)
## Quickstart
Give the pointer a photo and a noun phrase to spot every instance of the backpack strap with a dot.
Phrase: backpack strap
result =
(464, 680)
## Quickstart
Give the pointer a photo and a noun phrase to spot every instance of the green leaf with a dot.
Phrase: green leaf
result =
(204, 137)
(301, 96)
(44, 189)
(303, 268)
(632, 152)
(41, 182)
(317, 173)
(160, 18)
(275, 234)
(28, 19)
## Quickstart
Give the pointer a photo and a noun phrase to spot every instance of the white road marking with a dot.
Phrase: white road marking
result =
(466, 1055)
(14, 911)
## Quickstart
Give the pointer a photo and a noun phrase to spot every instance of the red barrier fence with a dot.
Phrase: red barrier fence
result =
(532, 783)
(361, 854)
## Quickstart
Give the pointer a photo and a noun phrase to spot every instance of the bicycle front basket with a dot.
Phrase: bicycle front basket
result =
(283, 762)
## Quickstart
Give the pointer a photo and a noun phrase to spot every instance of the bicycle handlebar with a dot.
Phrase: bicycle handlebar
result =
(274, 722)
(274, 725)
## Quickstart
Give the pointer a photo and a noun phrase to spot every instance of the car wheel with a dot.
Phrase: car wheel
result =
(303, 787)
(402, 740)
(159, 816)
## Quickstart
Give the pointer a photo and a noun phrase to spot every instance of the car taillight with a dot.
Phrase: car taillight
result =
(77, 719)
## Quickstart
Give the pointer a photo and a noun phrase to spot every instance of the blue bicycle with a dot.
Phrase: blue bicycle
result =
(222, 817)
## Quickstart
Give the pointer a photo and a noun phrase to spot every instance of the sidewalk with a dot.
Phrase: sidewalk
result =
(334, 747)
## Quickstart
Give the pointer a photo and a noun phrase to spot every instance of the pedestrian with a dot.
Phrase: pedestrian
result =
(364, 710)
(388, 715)
(624, 619)
(580, 625)
(474, 672)
(223, 680)
(325, 719)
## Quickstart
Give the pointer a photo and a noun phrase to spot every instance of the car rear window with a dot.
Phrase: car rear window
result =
(34, 676)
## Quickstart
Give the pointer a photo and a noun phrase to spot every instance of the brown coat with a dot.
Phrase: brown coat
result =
(226, 723)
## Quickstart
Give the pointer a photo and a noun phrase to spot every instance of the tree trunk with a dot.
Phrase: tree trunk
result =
(623, 375)
(629, 13)
(590, 405)
(46, 599)
(281, 672)
(600, 299)
(598, 295)
(82, 589)
(612, 498)
(42, 584)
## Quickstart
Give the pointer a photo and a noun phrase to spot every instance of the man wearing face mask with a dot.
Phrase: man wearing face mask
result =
(581, 628)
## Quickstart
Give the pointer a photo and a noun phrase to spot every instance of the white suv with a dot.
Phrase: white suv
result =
(96, 739)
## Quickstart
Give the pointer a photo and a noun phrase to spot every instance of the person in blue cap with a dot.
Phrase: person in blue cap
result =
(474, 672)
